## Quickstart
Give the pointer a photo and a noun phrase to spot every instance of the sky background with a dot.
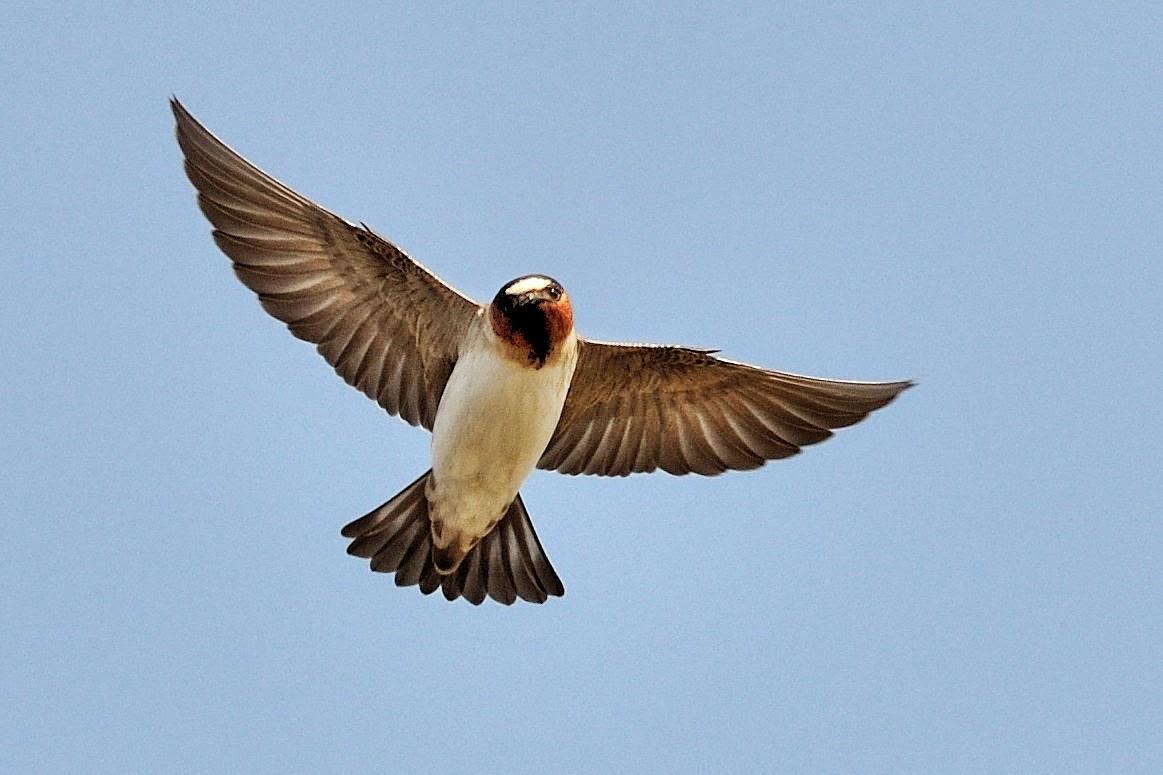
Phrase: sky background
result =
(970, 581)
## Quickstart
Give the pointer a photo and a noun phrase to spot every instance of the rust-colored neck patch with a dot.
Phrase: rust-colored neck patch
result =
(533, 331)
(559, 320)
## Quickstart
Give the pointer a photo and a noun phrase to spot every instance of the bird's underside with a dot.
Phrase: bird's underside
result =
(395, 331)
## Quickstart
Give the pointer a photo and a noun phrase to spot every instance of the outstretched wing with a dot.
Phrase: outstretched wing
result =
(637, 408)
(388, 326)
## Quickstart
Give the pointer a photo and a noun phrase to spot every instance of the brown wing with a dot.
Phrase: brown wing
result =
(636, 408)
(387, 325)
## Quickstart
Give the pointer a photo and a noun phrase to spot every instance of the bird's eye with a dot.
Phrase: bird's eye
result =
(554, 292)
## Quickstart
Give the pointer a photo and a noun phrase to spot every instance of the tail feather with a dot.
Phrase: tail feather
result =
(395, 548)
(419, 554)
(535, 561)
(430, 581)
(379, 525)
(500, 580)
(507, 564)
(524, 582)
(468, 580)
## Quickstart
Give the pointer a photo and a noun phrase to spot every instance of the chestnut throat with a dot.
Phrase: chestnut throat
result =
(531, 324)
(529, 327)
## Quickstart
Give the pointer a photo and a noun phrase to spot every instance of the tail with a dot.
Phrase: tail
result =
(507, 563)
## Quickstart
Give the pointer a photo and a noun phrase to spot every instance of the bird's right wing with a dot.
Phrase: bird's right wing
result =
(389, 326)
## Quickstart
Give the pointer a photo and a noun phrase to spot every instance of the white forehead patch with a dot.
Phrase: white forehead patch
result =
(528, 285)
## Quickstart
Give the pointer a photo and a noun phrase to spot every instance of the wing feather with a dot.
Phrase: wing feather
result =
(388, 326)
(638, 408)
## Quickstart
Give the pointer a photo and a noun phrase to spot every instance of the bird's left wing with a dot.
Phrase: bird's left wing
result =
(389, 326)
(637, 408)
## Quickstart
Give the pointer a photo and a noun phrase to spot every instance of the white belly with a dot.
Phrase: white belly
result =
(494, 421)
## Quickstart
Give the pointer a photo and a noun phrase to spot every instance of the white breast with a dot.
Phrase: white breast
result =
(495, 419)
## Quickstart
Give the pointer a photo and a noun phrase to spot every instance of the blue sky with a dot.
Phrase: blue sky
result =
(968, 582)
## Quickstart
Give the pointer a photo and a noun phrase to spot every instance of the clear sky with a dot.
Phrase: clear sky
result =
(970, 581)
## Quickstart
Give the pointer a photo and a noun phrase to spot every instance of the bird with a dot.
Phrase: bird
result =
(504, 387)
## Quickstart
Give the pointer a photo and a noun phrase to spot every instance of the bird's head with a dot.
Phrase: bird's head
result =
(532, 314)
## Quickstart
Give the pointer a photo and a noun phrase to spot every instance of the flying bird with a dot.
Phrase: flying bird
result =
(504, 387)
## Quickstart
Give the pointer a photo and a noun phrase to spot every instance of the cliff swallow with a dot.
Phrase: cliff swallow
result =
(504, 388)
